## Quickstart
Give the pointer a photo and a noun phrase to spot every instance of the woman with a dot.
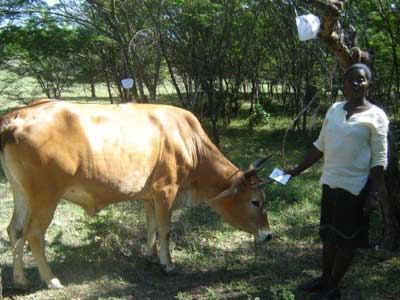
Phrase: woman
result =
(353, 143)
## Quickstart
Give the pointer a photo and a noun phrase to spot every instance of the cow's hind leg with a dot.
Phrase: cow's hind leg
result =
(15, 233)
(163, 209)
(151, 224)
(43, 206)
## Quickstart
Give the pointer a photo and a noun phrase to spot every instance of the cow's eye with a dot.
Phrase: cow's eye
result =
(255, 203)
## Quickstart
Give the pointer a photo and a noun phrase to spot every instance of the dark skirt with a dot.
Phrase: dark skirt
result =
(343, 222)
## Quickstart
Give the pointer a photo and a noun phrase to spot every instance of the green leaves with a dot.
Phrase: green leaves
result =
(47, 52)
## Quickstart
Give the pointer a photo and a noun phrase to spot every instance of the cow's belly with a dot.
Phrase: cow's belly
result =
(81, 197)
(92, 202)
(93, 197)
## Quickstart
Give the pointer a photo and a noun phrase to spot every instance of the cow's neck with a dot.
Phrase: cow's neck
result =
(214, 171)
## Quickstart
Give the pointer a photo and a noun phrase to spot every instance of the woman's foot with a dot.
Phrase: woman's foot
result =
(315, 285)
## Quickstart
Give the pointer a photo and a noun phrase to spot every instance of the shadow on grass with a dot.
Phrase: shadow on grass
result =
(116, 268)
(119, 270)
(146, 281)
(118, 258)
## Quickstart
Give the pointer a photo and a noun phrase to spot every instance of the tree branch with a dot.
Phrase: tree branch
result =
(329, 11)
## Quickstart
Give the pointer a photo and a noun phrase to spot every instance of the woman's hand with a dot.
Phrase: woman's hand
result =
(372, 201)
(311, 158)
(292, 172)
(378, 189)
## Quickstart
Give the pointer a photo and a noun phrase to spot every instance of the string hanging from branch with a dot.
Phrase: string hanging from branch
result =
(303, 111)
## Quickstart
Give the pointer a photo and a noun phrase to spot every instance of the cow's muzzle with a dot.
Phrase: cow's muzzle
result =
(263, 236)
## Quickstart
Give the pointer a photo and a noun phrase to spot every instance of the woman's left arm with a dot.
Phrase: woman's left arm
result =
(377, 189)
(378, 186)
(379, 151)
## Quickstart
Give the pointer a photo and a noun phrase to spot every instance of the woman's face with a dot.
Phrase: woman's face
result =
(355, 84)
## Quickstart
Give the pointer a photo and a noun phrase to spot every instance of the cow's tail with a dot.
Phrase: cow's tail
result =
(7, 128)
(5, 135)
(6, 132)
(21, 215)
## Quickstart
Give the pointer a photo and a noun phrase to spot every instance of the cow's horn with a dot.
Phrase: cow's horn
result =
(257, 164)
(251, 172)
(255, 167)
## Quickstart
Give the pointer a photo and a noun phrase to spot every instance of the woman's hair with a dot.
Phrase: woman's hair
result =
(359, 66)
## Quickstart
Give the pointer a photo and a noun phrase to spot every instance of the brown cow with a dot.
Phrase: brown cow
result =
(94, 155)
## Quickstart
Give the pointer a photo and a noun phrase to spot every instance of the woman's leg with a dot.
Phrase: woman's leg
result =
(341, 262)
(343, 259)
(329, 253)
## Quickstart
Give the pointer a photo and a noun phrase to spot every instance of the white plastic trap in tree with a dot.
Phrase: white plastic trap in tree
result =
(127, 83)
(308, 26)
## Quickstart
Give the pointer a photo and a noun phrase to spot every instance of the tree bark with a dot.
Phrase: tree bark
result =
(329, 14)
(93, 88)
(390, 207)
(109, 89)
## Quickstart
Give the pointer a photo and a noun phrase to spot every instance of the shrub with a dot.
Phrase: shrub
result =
(258, 116)
(281, 292)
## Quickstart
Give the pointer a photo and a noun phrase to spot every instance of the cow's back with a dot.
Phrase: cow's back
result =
(45, 134)
(114, 151)
(141, 137)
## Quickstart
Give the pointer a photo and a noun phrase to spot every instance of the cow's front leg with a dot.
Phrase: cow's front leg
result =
(163, 209)
(151, 225)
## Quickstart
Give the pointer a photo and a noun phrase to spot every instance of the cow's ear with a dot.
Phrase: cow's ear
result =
(231, 191)
(252, 181)
(227, 193)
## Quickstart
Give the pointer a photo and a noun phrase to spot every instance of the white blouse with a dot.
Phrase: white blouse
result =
(352, 147)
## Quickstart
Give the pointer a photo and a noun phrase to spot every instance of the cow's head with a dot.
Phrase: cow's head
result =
(242, 204)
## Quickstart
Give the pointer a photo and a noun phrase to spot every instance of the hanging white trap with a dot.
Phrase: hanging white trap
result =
(127, 83)
(308, 26)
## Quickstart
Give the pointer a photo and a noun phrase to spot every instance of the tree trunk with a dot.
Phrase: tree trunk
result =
(140, 87)
(390, 207)
(213, 110)
(172, 75)
(93, 88)
(109, 89)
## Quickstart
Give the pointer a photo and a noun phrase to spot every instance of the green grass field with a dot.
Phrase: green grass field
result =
(102, 257)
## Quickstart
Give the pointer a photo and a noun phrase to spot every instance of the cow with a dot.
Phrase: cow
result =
(94, 155)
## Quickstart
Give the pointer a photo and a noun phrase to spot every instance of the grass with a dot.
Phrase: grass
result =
(102, 257)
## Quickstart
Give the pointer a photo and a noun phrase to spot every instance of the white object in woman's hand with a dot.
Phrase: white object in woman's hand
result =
(280, 176)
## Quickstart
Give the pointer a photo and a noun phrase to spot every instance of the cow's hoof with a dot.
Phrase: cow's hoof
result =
(152, 259)
(54, 284)
(170, 269)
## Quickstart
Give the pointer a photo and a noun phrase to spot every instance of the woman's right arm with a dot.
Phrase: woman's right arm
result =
(311, 158)
(316, 153)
